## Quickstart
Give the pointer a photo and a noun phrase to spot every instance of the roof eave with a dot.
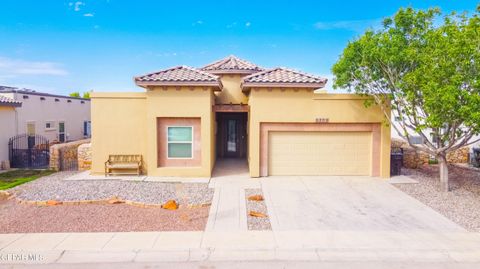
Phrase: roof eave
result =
(216, 84)
(246, 86)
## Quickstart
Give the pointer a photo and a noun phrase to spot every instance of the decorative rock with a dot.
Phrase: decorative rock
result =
(257, 197)
(257, 214)
(114, 201)
(5, 165)
(170, 205)
(53, 202)
(69, 152)
(4, 195)
(84, 156)
(416, 159)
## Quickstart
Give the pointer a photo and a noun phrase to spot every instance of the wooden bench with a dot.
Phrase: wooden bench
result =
(124, 162)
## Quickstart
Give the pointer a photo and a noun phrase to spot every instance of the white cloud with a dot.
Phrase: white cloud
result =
(166, 54)
(16, 67)
(199, 22)
(76, 5)
(88, 15)
(247, 24)
(353, 25)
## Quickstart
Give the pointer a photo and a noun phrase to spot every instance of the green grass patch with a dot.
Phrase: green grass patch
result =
(14, 178)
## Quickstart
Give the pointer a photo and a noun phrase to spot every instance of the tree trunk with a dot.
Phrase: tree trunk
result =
(443, 173)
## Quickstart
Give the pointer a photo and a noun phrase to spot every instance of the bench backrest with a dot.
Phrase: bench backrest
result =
(124, 158)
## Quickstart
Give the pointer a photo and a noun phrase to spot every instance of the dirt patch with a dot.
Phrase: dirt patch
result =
(20, 218)
(459, 205)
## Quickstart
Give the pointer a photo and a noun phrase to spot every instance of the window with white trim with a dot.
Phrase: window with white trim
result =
(180, 142)
(49, 125)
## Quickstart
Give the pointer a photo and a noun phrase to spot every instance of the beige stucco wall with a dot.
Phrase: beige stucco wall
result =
(182, 102)
(40, 112)
(231, 92)
(7, 129)
(118, 126)
(304, 106)
(126, 123)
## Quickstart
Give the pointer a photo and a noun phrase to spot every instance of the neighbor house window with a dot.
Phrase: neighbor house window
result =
(49, 125)
(416, 140)
(180, 142)
(87, 128)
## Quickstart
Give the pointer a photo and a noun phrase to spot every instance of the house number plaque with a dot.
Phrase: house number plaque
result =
(322, 120)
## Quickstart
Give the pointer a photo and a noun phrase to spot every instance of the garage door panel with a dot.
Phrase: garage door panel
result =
(320, 153)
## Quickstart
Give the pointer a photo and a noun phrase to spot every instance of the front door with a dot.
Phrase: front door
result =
(232, 138)
(232, 135)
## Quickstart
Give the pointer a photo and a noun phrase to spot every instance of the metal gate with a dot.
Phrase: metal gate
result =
(29, 151)
(68, 159)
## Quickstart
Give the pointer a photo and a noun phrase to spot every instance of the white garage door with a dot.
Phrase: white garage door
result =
(319, 153)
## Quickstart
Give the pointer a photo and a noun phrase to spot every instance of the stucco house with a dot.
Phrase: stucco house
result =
(56, 117)
(187, 119)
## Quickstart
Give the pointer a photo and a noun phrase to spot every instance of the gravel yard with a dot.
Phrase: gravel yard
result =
(104, 217)
(460, 205)
(256, 223)
(54, 188)
(19, 218)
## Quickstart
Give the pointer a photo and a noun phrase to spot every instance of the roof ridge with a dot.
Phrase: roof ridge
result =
(231, 62)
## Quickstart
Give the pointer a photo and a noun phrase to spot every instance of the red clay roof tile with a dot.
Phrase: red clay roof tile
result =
(232, 65)
(283, 77)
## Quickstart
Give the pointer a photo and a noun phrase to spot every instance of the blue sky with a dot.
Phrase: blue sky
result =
(63, 46)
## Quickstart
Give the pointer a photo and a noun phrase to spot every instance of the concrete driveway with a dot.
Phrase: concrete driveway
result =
(347, 204)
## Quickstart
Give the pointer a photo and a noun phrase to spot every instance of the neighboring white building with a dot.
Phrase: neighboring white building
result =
(58, 118)
(416, 139)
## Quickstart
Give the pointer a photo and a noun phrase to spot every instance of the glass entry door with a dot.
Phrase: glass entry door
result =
(232, 143)
(232, 135)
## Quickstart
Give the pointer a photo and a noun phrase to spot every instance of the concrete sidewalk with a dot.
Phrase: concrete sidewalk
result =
(144, 247)
(228, 211)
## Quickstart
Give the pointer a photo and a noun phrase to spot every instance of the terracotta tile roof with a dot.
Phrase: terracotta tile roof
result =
(232, 65)
(283, 77)
(9, 101)
(179, 76)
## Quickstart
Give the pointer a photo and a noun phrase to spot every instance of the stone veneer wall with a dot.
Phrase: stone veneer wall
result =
(85, 156)
(414, 159)
(70, 152)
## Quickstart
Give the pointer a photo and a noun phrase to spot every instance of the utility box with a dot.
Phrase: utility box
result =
(475, 158)
(396, 161)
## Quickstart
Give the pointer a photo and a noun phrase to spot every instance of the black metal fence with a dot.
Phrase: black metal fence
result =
(29, 151)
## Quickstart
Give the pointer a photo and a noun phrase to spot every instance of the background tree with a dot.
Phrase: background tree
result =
(427, 73)
(75, 94)
(86, 95)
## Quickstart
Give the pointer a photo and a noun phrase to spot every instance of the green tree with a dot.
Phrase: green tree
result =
(75, 94)
(86, 95)
(427, 73)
